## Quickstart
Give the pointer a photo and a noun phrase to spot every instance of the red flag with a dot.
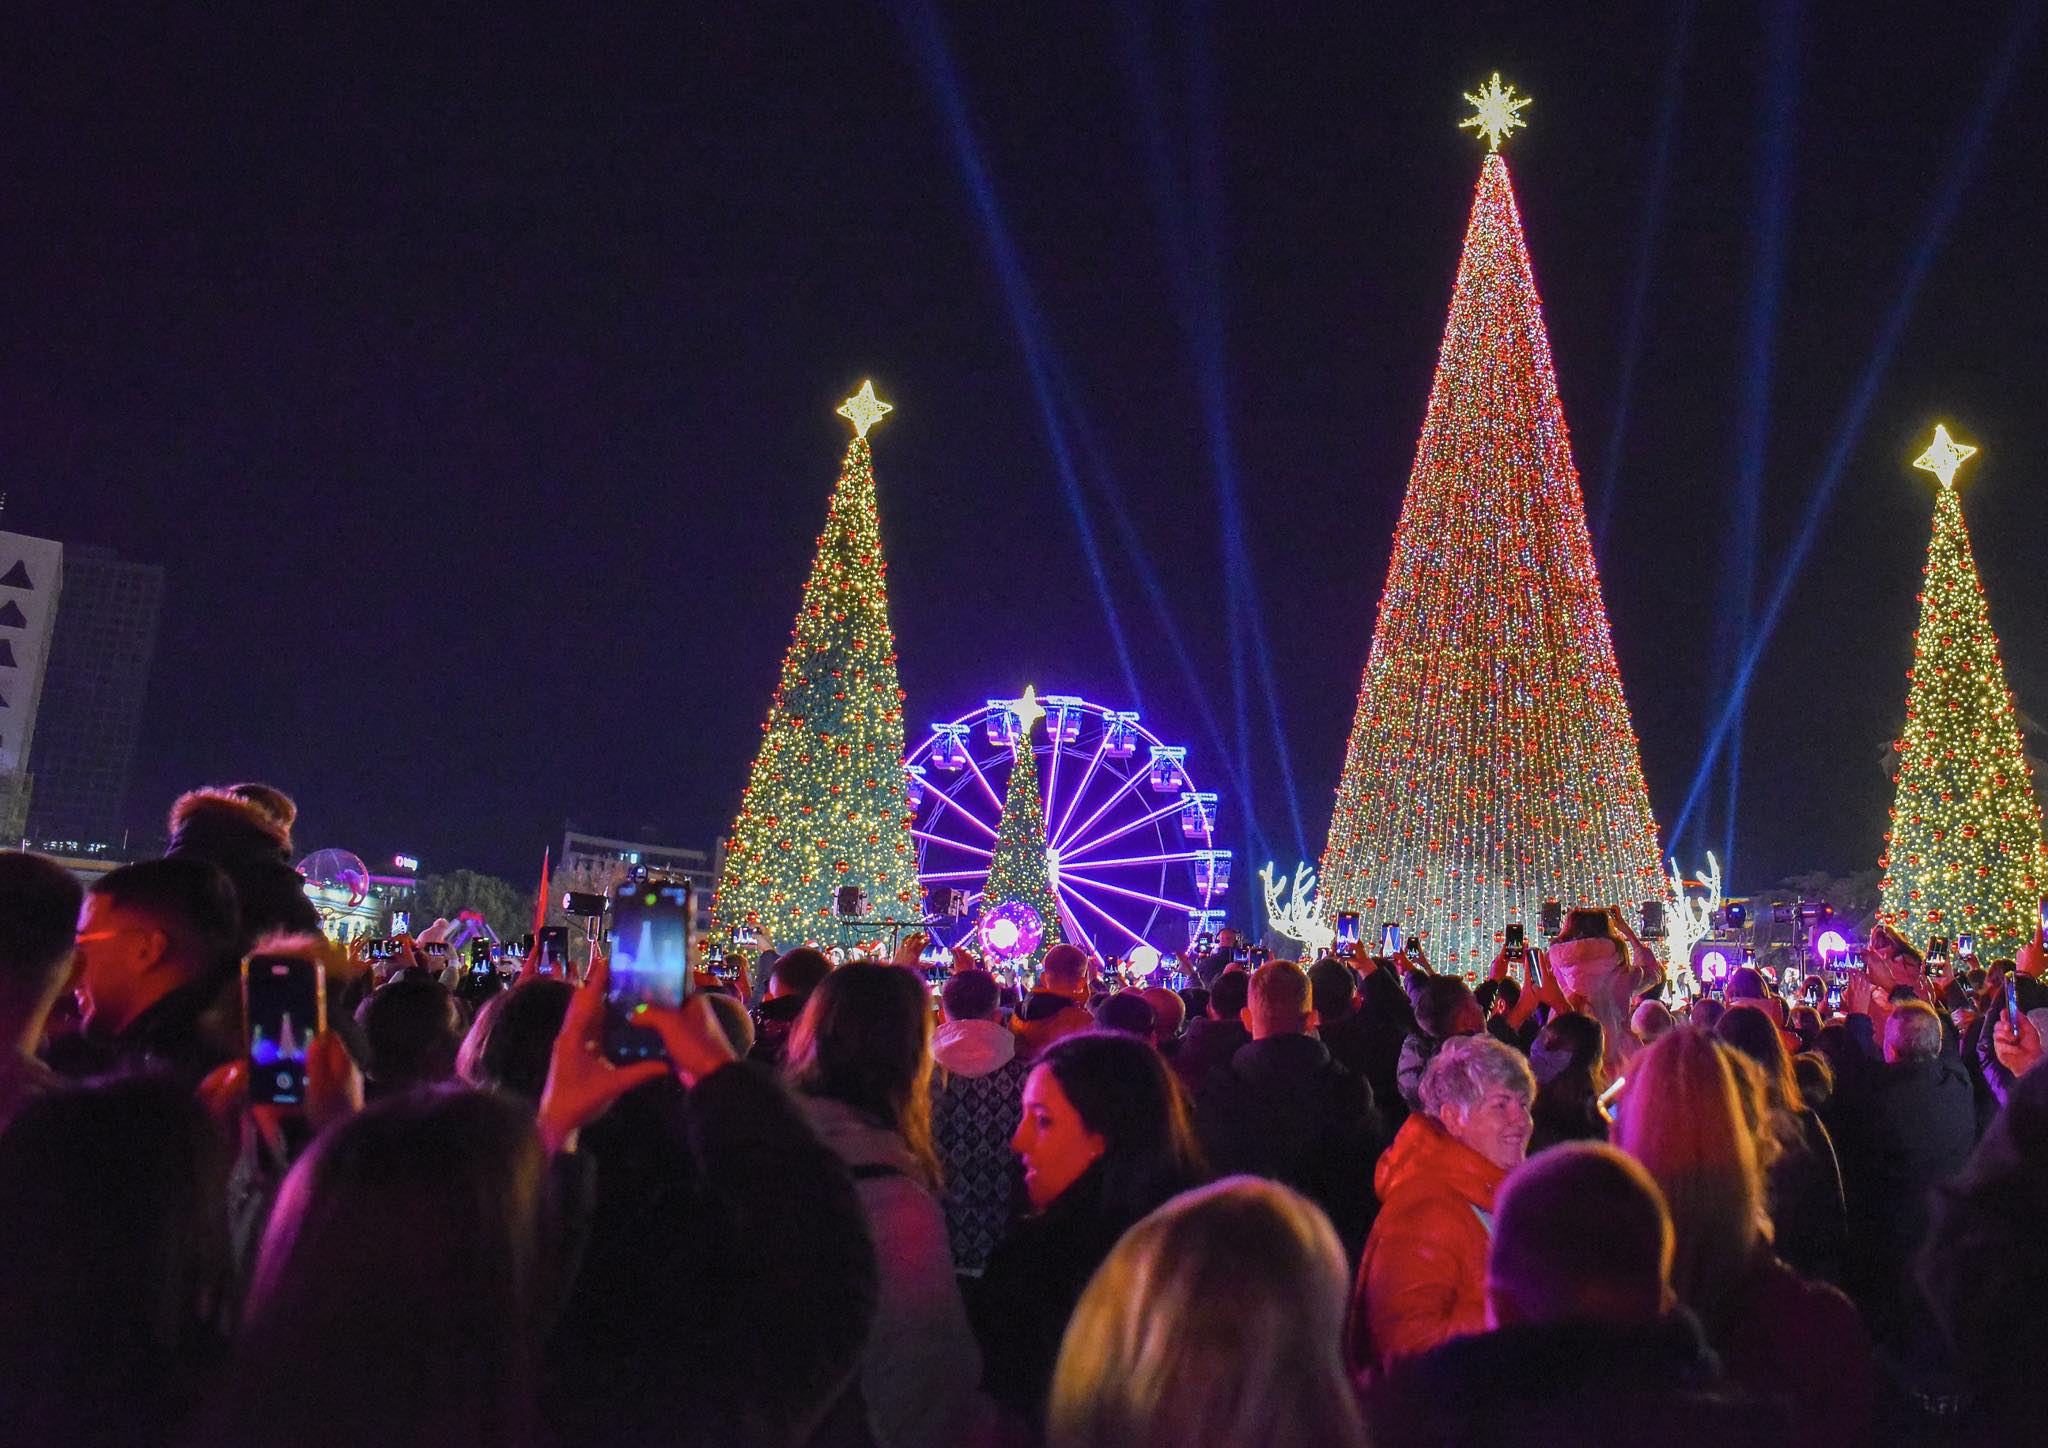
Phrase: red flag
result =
(540, 903)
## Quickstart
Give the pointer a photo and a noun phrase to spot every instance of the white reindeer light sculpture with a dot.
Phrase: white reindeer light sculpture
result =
(1690, 917)
(1300, 917)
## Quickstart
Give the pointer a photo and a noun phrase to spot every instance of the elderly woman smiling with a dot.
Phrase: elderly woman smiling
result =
(1423, 1277)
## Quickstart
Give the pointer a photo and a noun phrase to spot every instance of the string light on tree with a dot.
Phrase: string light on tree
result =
(1020, 869)
(1964, 853)
(825, 805)
(1492, 764)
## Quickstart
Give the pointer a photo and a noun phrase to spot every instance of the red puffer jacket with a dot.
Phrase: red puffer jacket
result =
(1423, 1277)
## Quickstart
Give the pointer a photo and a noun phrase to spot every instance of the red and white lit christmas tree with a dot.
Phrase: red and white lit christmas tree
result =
(1964, 853)
(825, 805)
(1492, 764)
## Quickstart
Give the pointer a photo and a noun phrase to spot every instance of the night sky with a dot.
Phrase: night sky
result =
(472, 370)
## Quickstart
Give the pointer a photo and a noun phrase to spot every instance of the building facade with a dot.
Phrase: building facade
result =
(98, 675)
(31, 582)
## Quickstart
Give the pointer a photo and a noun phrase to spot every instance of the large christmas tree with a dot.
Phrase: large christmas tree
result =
(1964, 853)
(1492, 765)
(1018, 869)
(825, 805)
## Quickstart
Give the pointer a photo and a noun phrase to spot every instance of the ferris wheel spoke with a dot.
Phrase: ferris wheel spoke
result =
(1173, 857)
(953, 844)
(986, 788)
(1073, 922)
(1087, 775)
(1077, 898)
(1068, 876)
(953, 874)
(967, 814)
(1076, 851)
(1137, 778)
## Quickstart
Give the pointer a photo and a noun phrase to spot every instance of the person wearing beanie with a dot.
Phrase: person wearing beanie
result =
(249, 838)
(977, 1101)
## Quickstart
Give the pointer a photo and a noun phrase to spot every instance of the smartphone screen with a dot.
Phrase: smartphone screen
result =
(1347, 928)
(2041, 936)
(553, 947)
(480, 956)
(284, 1005)
(650, 963)
(1749, 955)
(1515, 939)
(2012, 1000)
(1390, 938)
(1552, 918)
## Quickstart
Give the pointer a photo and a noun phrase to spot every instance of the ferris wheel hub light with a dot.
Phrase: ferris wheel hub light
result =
(1144, 960)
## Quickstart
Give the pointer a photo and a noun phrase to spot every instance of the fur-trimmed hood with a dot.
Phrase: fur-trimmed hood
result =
(226, 829)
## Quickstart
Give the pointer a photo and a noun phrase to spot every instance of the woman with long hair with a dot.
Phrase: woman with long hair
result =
(1215, 1321)
(1567, 1058)
(1809, 1221)
(411, 1233)
(860, 1058)
(1105, 1138)
(1695, 1116)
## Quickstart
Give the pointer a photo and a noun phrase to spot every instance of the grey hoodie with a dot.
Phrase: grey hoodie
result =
(921, 1367)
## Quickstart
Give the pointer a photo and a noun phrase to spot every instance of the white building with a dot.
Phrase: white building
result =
(31, 579)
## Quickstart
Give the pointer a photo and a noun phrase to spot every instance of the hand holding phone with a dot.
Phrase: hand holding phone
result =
(649, 964)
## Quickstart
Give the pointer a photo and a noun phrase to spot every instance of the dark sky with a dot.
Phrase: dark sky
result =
(472, 369)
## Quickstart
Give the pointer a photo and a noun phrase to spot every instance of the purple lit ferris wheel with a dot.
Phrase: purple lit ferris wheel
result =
(1131, 839)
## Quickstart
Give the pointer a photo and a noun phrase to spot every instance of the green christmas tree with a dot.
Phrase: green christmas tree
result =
(1964, 853)
(825, 805)
(1018, 869)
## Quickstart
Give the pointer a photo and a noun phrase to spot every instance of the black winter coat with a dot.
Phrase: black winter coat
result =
(1282, 1108)
(1569, 1385)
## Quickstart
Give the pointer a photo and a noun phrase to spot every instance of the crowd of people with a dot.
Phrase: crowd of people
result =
(1345, 1201)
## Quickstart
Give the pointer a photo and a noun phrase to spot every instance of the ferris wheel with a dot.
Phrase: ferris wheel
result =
(1130, 838)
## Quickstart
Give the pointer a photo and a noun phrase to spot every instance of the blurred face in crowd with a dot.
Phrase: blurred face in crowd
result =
(1497, 1128)
(1053, 1142)
(119, 952)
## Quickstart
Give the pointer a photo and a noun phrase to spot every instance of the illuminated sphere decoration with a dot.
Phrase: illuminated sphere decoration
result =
(1145, 961)
(1830, 944)
(1010, 931)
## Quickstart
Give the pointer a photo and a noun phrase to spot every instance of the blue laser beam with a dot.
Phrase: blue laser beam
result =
(937, 61)
(1639, 288)
(1948, 196)
(1753, 414)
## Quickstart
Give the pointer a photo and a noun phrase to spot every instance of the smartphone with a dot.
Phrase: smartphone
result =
(480, 956)
(1835, 995)
(1390, 939)
(1347, 929)
(2041, 935)
(284, 1005)
(1937, 948)
(1514, 940)
(1653, 920)
(1552, 918)
(1613, 1092)
(551, 949)
(1749, 955)
(1241, 955)
(1966, 946)
(2012, 999)
(650, 963)
(1259, 956)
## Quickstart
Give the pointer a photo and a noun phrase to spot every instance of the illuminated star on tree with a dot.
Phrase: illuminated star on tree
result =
(1028, 711)
(864, 409)
(1943, 456)
(1497, 113)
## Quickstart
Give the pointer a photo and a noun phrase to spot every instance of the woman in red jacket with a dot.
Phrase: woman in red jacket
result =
(1423, 1277)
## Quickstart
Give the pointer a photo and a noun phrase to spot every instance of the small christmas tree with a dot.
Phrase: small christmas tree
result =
(825, 805)
(1018, 869)
(1492, 765)
(1964, 853)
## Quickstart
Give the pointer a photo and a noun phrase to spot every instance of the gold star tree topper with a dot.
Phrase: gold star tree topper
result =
(1943, 456)
(1496, 113)
(1028, 711)
(864, 409)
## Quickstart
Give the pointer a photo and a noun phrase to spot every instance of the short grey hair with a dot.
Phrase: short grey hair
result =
(1913, 1033)
(1467, 1068)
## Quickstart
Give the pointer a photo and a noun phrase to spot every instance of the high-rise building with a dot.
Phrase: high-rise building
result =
(92, 696)
(31, 578)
